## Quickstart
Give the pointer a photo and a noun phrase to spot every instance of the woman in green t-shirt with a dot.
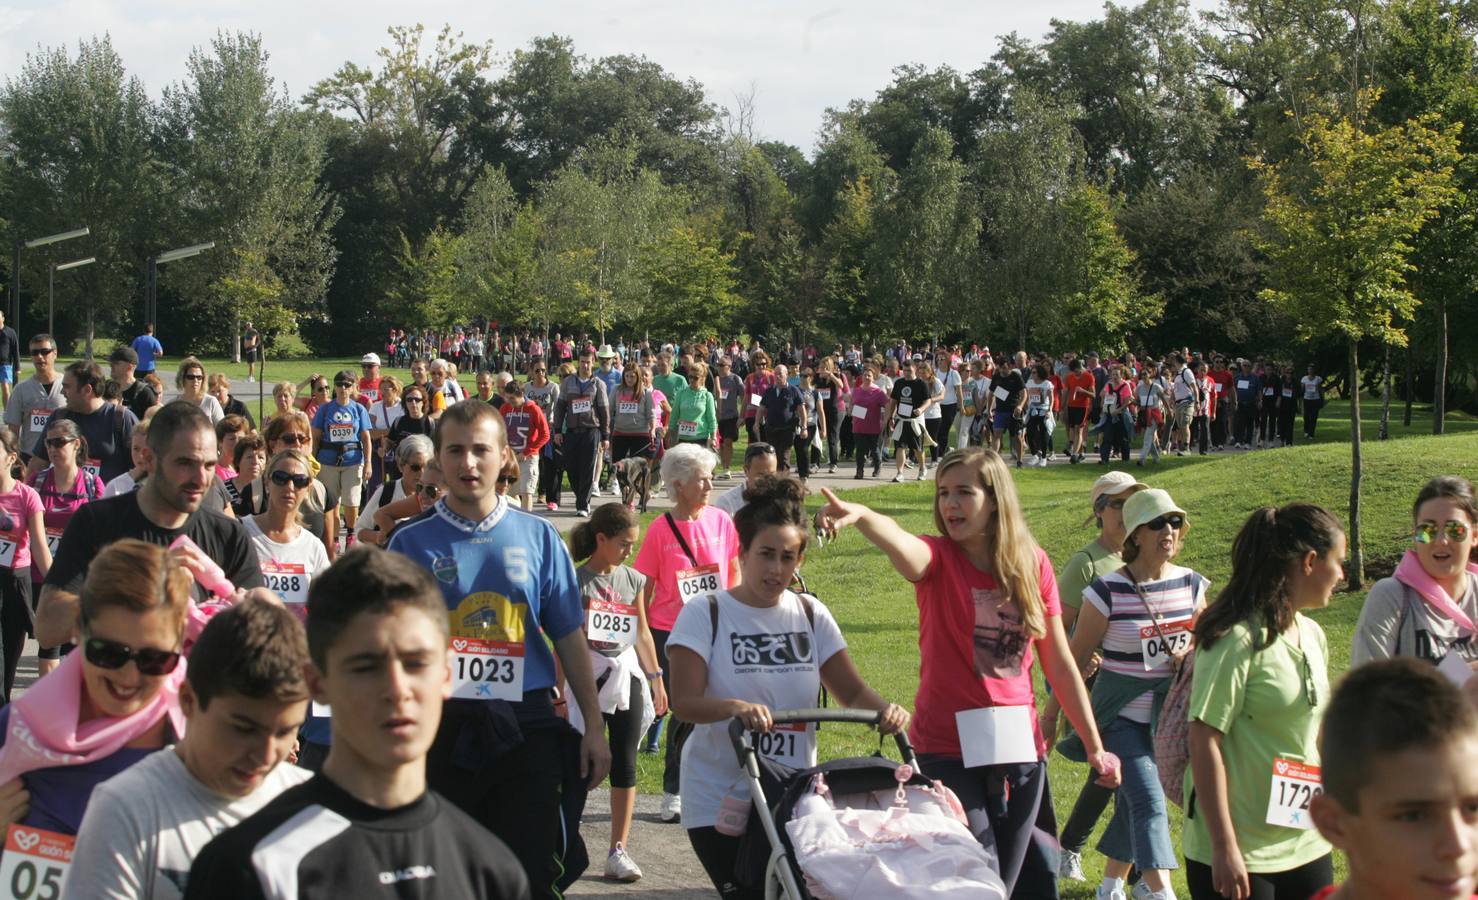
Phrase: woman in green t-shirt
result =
(1099, 557)
(1258, 691)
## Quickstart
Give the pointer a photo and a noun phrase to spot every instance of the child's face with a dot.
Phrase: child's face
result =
(386, 678)
(1416, 835)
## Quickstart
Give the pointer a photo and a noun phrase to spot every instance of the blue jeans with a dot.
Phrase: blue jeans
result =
(1139, 832)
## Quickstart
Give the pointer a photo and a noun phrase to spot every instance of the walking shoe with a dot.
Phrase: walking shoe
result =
(1071, 866)
(1109, 894)
(672, 808)
(583, 513)
(831, 470)
(876, 468)
(1141, 891)
(898, 479)
(621, 867)
(858, 476)
(595, 490)
(552, 507)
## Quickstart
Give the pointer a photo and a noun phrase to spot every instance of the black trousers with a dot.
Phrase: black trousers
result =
(551, 474)
(803, 455)
(719, 853)
(1246, 423)
(678, 731)
(829, 411)
(582, 448)
(1201, 433)
(946, 421)
(782, 438)
(1311, 415)
(1294, 884)
(623, 729)
(867, 450)
(15, 620)
(1093, 799)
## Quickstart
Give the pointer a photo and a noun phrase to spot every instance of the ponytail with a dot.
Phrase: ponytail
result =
(610, 520)
(1264, 551)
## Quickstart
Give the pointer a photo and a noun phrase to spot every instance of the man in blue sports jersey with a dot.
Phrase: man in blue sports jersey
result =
(502, 753)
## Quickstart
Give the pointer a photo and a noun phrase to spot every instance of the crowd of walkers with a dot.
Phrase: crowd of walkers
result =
(345, 652)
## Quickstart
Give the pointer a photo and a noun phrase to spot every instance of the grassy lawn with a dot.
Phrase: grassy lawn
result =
(876, 607)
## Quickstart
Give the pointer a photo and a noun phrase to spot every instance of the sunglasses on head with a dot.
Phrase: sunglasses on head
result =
(1160, 522)
(293, 439)
(296, 479)
(1426, 532)
(106, 654)
(58, 443)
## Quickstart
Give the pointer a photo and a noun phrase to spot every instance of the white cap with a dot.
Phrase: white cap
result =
(370, 359)
(1115, 482)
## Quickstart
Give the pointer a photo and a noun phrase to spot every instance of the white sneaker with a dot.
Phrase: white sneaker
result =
(621, 867)
(594, 491)
(1102, 894)
(1071, 866)
(1141, 891)
(672, 808)
(898, 479)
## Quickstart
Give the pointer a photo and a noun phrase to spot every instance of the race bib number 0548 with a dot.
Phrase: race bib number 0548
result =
(1295, 785)
(697, 581)
(35, 863)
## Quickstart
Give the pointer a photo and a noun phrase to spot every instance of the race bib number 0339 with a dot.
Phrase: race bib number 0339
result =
(486, 670)
(35, 863)
(1295, 785)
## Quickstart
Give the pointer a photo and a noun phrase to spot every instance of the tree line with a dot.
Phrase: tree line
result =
(1288, 178)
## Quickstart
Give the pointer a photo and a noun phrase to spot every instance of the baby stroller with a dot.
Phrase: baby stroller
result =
(857, 827)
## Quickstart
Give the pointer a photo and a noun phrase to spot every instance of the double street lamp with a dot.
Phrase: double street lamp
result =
(51, 289)
(151, 284)
(15, 269)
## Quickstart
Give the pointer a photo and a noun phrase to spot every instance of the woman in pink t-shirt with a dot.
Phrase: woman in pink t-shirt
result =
(22, 538)
(987, 599)
(690, 552)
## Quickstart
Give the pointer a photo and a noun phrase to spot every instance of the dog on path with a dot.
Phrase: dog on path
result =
(634, 476)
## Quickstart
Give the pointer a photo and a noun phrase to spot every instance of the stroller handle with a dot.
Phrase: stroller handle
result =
(744, 747)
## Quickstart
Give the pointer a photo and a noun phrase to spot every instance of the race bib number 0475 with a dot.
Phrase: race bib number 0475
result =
(35, 863)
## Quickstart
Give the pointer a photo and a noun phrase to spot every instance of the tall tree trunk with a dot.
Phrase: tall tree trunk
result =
(91, 328)
(1439, 381)
(1410, 383)
(236, 337)
(1356, 570)
(1385, 407)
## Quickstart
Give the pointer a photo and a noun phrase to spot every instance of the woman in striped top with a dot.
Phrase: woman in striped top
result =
(1141, 616)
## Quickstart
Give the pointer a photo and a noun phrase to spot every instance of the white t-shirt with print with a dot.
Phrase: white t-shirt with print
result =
(770, 656)
(1312, 385)
(951, 382)
(288, 567)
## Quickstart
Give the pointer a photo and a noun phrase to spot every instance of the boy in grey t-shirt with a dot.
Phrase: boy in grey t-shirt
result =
(244, 699)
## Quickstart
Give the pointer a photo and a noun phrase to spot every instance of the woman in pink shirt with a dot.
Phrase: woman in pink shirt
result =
(756, 383)
(690, 552)
(987, 599)
(866, 415)
(22, 539)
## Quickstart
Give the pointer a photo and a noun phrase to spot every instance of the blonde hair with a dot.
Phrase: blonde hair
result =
(1013, 549)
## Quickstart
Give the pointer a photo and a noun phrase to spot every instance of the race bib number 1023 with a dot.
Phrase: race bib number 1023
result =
(486, 670)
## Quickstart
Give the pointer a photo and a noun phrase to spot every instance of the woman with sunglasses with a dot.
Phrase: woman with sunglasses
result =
(1142, 617)
(1258, 691)
(190, 379)
(1100, 557)
(63, 486)
(110, 705)
(694, 418)
(1428, 608)
(634, 418)
(545, 392)
(432, 486)
(321, 507)
(412, 455)
(318, 394)
(759, 380)
(415, 418)
(384, 410)
(342, 446)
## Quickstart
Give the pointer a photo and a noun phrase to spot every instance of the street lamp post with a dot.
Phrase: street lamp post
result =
(151, 281)
(15, 270)
(51, 289)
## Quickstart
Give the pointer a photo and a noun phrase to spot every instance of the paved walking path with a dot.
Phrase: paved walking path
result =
(670, 871)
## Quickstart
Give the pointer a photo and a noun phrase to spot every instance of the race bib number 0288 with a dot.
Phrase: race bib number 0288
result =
(35, 863)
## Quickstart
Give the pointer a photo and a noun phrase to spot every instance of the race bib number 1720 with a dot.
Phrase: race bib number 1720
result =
(1295, 785)
(35, 863)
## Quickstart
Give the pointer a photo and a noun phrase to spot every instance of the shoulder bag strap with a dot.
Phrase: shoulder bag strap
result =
(682, 542)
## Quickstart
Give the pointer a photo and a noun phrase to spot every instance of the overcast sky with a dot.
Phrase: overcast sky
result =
(799, 57)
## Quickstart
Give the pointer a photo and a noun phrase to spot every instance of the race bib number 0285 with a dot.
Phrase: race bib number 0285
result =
(611, 623)
(1294, 787)
(486, 670)
(35, 863)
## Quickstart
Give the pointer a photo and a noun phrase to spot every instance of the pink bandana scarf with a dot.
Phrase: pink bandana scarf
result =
(1411, 574)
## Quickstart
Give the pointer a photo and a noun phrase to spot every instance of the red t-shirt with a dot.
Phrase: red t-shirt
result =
(1056, 393)
(369, 392)
(1084, 380)
(973, 652)
(1224, 378)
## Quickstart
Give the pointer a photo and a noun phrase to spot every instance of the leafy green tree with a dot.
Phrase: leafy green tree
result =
(1341, 225)
(77, 132)
(691, 283)
(845, 265)
(428, 285)
(1098, 292)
